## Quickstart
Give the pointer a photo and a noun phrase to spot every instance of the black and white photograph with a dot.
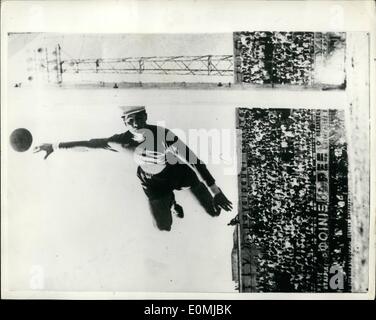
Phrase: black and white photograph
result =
(178, 164)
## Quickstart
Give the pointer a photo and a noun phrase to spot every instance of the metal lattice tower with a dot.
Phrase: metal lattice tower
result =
(212, 65)
(206, 65)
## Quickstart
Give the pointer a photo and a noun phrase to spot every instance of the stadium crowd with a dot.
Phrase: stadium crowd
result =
(276, 57)
(281, 210)
(281, 171)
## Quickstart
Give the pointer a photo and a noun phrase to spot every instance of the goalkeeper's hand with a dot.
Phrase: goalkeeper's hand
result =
(47, 147)
(220, 200)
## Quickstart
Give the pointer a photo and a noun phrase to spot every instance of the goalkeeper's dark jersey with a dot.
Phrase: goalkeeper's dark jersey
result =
(154, 146)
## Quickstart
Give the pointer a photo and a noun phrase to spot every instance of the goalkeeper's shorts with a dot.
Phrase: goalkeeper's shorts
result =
(173, 177)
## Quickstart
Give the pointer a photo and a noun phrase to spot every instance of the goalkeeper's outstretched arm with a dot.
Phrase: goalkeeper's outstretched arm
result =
(49, 148)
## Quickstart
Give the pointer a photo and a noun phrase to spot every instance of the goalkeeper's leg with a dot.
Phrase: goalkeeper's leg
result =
(161, 211)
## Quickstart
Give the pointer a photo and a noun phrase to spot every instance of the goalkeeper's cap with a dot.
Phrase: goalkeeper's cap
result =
(128, 110)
